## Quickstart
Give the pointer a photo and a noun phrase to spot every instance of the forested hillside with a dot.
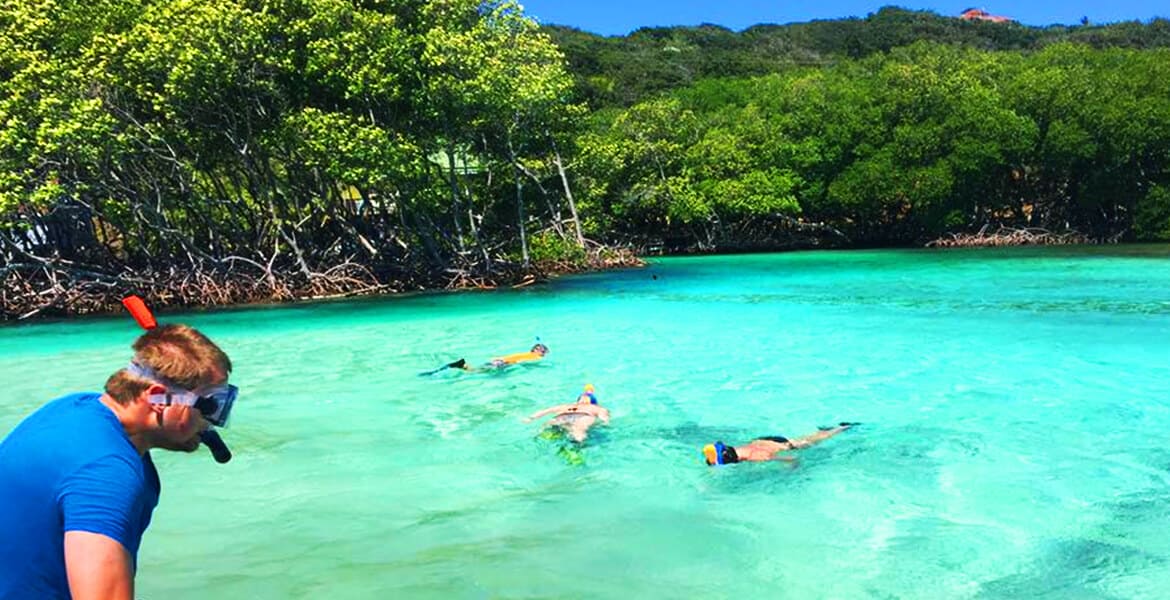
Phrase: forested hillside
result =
(890, 130)
(894, 149)
(611, 71)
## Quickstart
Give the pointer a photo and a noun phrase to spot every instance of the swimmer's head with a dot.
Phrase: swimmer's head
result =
(540, 349)
(720, 454)
(587, 396)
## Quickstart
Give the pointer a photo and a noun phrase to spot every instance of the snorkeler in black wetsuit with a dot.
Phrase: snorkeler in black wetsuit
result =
(767, 448)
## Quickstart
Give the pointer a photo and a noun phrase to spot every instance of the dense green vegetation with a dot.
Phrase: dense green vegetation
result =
(895, 148)
(238, 150)
(234, 150)
(888, 130)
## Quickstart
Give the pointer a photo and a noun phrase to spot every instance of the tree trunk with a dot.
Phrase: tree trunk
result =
(568, 193)
(519, 203)
(455, 204)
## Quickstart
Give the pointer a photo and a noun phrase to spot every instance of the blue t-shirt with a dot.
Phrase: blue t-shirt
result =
(68, 467)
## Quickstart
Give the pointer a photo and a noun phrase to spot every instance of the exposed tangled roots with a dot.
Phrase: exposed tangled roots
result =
(1011, 236)
(55, 288)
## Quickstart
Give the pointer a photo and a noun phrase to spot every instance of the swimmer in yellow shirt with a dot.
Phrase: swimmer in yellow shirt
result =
(536, 353)
(498, 363)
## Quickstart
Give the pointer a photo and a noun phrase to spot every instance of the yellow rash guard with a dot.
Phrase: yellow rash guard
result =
(519, 357)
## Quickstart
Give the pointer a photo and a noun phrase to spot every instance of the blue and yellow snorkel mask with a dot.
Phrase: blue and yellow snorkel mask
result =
(720, 454)
(589, 392)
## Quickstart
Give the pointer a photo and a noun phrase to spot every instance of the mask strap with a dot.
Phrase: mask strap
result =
(169, 398)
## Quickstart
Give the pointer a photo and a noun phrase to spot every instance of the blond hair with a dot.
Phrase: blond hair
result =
(179, 354)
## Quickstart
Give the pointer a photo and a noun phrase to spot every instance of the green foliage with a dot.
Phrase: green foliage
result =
(349, 150)
(284, 132)
(547, 247)
(310, 133)
(896, 148)
(1152, 221)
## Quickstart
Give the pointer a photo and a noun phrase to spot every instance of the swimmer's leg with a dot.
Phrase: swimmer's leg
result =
(820, 436)
(579, 428)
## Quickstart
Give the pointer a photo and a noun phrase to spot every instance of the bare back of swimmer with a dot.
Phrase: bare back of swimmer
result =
(576, 418)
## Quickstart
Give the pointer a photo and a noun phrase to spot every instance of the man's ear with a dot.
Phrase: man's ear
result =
(150, 391)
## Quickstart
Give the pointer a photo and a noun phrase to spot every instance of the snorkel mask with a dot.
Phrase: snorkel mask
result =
(589, 392)
(720, 454)
(215, 405)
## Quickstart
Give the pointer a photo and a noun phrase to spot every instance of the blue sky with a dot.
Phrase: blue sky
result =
(617, 17)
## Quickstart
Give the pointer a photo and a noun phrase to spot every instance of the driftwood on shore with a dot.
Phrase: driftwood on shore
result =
(1012, 236)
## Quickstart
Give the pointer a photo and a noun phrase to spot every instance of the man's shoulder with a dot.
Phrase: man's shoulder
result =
(69, 432)
(57, 416)
(78, 405)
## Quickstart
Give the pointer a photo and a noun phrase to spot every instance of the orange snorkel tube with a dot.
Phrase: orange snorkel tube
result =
(145, 320)
(138, 310)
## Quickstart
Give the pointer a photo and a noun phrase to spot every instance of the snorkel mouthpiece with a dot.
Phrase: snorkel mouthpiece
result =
(219, 450)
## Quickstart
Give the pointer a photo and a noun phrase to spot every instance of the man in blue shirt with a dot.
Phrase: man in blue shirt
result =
(77, 485)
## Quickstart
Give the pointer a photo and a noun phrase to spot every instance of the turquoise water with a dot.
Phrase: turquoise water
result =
(1016, 406)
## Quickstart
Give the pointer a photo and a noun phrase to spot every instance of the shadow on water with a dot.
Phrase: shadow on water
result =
(1118, 548)
(691, 433)
(920, 443)
(1073, 569)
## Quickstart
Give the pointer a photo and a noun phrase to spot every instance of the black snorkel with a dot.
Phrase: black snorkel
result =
(219, 450)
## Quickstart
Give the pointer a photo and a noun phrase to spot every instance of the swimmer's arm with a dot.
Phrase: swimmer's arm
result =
(540, 413)
(783, 458)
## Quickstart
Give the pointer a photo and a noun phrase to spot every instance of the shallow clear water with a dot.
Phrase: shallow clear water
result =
(1016, 409)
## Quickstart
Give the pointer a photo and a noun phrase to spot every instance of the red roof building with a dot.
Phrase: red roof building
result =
(978, 14)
